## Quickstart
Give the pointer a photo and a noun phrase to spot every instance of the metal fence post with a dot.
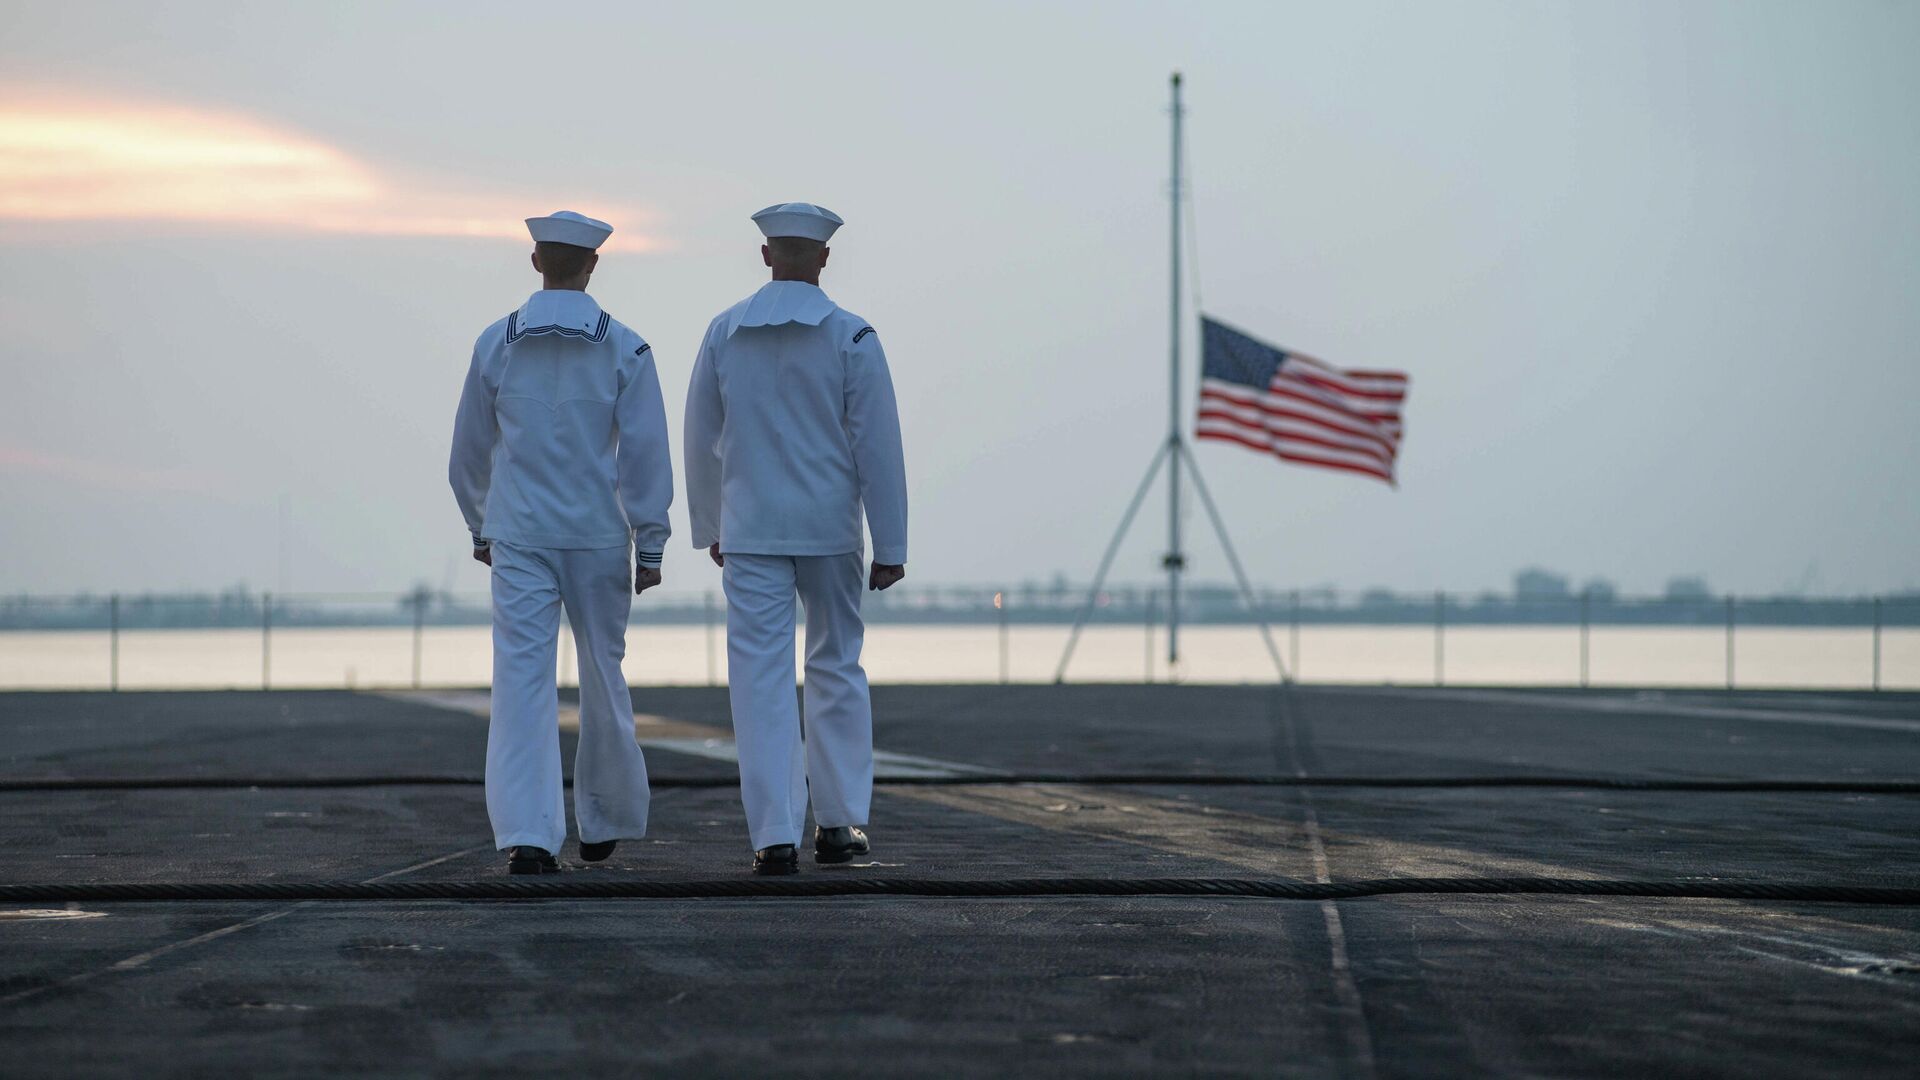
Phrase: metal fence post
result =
(114, 644)
(1876, 643)
(1729, 641)
(1586, 631)
(1439, 638)
(706, 616)
(1000, 607)
(266, 641)
(1293, 637)
(1153, 614)
(419, 632)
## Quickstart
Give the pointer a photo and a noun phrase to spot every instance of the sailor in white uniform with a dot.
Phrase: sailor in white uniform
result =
(791, 430)
(561, 467)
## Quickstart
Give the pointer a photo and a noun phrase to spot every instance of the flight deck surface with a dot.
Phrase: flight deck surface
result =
(984, 785)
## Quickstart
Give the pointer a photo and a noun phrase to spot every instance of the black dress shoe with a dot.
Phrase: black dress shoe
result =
(839, 844)
(597, 852)
(776, 860)
(531, 860)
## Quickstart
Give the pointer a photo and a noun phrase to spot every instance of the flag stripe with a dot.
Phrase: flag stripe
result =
(1312, 433)
(1388, 435)
(1375, 380)
(1328, 463)
(1252, 442)
(1307, 391)
(1350, 390)
(1301, 459)
(1305, 406)
(1280, 443)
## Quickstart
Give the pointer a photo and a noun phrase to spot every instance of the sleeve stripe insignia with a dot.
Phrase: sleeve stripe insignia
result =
(864, 331)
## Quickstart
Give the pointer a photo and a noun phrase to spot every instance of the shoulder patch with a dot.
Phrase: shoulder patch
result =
(864, 331)
(643, 349)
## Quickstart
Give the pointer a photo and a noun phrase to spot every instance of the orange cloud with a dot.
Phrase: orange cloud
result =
(130, 162)
(23, 461)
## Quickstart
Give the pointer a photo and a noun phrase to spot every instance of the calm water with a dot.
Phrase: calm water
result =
(1520, 655)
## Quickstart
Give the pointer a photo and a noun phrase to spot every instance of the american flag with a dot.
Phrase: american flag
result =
(1295, 407)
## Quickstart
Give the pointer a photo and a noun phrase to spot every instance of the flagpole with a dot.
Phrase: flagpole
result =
(1175, 560)
(1176, 456)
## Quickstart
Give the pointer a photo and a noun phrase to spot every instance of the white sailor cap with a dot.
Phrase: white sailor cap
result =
(567, 227)
(798, 219)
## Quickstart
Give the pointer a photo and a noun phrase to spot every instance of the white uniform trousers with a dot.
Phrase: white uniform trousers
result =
(524, 786)
(778, 768)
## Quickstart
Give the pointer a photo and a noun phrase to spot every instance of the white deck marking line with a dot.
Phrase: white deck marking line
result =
(1848, 962)
(1883, 980)
(1360, 1036)
(1643, 707)
(1359, 1033)
(695, 740)
(1853, 957)
(139, 960)
(1858, 965)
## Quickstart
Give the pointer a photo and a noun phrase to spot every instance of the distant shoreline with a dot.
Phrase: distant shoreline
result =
(970, 608)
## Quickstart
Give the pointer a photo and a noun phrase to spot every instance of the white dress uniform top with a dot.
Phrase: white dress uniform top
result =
(792, 430)
(560, 462)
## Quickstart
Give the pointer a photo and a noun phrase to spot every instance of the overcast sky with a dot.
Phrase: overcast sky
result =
(1654, 270)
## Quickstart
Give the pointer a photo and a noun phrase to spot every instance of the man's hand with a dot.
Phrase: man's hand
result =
(718, 559)
(883, 576)
(644, 578)
(483, 554)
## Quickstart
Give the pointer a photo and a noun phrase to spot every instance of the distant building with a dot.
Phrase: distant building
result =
(1600, 591)
(1214, 600)
(1691, 589)
(1534, 583)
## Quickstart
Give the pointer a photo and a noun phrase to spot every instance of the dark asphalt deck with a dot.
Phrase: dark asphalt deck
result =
(1399, 986)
